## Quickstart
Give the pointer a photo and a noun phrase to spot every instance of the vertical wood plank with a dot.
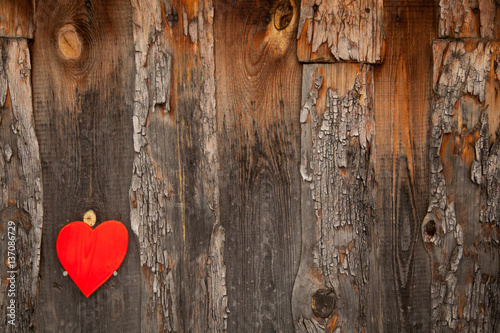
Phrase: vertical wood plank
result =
(336, 30)
(461, 228)
(16, 18)
(402, 113)
(83, 87)
(174, 190)
(339, 198)
(20, 190)
(258, 98)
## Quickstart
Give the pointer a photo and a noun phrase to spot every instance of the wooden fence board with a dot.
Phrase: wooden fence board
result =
(338, 171)
(402, 114)
(461, 227)
(174, 192)
(20, 189)
(83, 82)
(258, 98)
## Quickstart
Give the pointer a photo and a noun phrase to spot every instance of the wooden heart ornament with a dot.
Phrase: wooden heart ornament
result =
(90, 256)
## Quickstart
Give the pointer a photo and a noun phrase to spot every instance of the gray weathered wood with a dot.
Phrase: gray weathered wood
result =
(258, 98)
(174, 190)
(83, 84)
(20, 188)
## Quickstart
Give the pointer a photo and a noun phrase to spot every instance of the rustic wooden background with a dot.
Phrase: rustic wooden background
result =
(281, 165)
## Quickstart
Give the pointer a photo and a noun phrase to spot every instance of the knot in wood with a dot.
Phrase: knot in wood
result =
(430, 228)
(89, 218)
(283, 15)
(323, 302)
(69, 42)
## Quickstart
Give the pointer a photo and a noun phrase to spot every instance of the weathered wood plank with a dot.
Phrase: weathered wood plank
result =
(16, 18)
(339, 199)
(20, 190)
(258, 98)
(461, 228)
(83, 83)
(401, 284)
(174, 191)
(474, 18)
(337, 30)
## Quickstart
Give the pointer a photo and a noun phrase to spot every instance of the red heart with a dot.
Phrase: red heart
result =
(90, 256)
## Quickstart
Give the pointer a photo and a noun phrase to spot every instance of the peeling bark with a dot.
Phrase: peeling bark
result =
(162, 189)
(340, 164)
(333, 30)
(20, 184)
(460, 229)
(468, 18)
(150, 190)
(216, 282)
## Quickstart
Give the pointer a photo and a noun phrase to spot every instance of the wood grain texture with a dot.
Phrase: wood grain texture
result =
(20, 188)
(258, 98)
(401, 283)
(461, 228)
(17, 18)
(83, 83)
(174, 190)
(339, 198)
(475, 18)
(336, 30)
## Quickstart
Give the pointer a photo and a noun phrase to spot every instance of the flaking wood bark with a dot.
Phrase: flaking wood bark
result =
(338, 172)
(474, 18)
(336, 30)
(20, 187)
(174, 191)
(461, 230)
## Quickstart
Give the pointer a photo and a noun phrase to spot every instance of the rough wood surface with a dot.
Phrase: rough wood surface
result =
(461, 228)
(336, 30)
(16, 18)
(258, 98)
(471, 18)
(20, 189)
(339, 198)
(174, 190)
(401, 285)
(83, 83)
